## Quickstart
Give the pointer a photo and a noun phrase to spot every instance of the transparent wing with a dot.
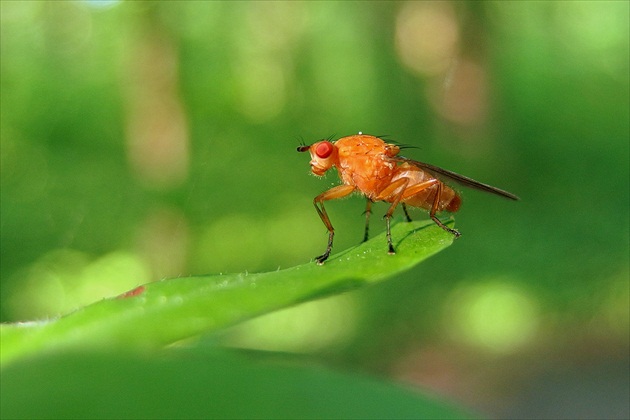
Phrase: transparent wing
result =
(460, 179)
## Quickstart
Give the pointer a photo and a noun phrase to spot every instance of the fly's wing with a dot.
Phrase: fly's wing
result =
(460, 179)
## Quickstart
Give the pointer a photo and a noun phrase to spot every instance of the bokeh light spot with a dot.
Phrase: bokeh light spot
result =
(496, 316)
(617, 305)
(64, 280)
(427, 36)
(307, 328)
(464, 98)
(239, 242)
(102, 4)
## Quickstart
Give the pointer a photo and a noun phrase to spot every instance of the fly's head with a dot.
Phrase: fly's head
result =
(323, 156)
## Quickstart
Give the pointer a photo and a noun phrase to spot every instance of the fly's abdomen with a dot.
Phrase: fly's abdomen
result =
(454, 201)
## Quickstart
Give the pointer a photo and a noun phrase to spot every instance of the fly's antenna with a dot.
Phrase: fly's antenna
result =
(302, 147)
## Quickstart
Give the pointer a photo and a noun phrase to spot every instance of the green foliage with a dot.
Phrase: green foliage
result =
(200, 384)
(85, 378)
(164, 312)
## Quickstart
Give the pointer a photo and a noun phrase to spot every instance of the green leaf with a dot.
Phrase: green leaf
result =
(163, 312)
(196, 383)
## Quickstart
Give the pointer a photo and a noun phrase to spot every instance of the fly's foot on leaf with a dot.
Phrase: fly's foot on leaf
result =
(322, 258)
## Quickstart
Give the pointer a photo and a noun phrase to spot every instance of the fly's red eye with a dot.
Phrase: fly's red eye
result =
(324, 149)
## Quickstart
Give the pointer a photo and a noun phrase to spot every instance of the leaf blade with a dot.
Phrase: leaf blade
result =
(163, 312)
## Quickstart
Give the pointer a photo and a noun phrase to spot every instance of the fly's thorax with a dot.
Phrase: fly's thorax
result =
(365, 144)
(365, 161)
(369, 173)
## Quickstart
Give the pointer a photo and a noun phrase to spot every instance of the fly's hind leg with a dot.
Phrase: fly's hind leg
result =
(432, 183)
(434, 207)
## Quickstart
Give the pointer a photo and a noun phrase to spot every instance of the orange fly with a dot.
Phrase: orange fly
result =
(368, 165)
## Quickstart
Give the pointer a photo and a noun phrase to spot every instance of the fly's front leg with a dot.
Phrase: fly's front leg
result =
(368, 212)
(333, 193)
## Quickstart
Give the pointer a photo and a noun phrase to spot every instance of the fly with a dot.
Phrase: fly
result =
(369, 165)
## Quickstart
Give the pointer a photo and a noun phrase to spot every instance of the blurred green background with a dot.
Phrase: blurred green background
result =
(145, 140)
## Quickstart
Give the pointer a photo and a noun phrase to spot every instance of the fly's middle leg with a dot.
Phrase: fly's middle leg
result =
(393, 194)
(404, 206)
(368, 212)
